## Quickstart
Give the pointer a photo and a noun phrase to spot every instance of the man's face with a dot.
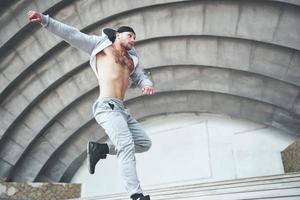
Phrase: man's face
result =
(127, 39)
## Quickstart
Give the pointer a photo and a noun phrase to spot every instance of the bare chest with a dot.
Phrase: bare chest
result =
(120, 58)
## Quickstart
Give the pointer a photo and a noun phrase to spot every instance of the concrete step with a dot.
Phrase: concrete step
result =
(284, 186)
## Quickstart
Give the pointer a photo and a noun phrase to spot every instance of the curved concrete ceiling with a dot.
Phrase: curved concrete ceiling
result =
(239, 58)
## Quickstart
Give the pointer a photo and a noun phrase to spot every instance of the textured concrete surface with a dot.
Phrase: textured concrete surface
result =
(37, 191)
(202, 55)
(291, 157)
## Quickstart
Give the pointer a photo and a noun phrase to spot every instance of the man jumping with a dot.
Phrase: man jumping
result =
(115, 62)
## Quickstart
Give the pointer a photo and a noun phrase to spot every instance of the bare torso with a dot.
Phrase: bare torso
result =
(113, 68)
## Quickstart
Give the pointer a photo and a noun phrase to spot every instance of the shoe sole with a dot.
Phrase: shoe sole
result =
(88, 158)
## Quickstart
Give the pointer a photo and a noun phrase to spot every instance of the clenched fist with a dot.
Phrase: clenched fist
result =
(148, 90)
(34, 16)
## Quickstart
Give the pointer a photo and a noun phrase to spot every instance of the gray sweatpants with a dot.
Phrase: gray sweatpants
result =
(126, 137)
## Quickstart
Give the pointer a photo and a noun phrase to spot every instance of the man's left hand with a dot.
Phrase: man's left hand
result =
(148, 90)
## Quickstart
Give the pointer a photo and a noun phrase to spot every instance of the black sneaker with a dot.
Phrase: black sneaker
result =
(147, 197)
(95, 152)
(140, 197)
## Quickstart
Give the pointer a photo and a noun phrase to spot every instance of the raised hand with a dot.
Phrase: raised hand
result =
(148, 90)
(34, 16)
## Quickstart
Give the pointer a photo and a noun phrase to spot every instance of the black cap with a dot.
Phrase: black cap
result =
(125, 29)
(111, 33)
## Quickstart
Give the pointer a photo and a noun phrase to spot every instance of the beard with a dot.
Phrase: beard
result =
(128, 46)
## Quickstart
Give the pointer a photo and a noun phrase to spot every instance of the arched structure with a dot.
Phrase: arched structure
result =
(240, 58)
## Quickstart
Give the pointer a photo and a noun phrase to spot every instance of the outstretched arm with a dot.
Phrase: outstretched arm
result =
(142, 81)
(68, 33)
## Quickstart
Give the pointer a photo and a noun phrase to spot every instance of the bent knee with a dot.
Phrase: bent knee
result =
(125, 147)
(146, 146)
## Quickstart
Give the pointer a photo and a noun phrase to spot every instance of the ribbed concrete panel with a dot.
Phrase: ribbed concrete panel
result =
(38, 125)
(296, 107)
(11, 63)
(17, 11)
(169, 44)
(11, 152)
(3, 81)
(294, 2)
(166, 59)
(225, 14)
(212, 62)
(86, 10)
(79, 83)
(52, 104)
(288, 21)
(78, 58)
(42, 41)
(5, 169)
(73, 119)
(168, 24)
(282, 120)
(264, 59)
(16, 103)
(179, 81)
(10, 23)
(226, 81)
(47, 74)
(210, 79)
(36, 120)
(252, 22)
(188, 101)
(25, 138)
(271, 61)
(30, 50)
(6, 119)
(90, 131)
(67, 92)
(294, 70)
(32, 87)
(55, 138)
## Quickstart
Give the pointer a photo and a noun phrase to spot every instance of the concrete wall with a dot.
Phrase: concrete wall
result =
(193, 148)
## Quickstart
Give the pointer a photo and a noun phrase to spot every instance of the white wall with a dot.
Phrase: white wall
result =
(190, 148)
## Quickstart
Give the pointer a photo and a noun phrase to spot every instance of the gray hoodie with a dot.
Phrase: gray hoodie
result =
(92, 45)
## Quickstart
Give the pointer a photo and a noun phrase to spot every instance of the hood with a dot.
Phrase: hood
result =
(111, 33)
